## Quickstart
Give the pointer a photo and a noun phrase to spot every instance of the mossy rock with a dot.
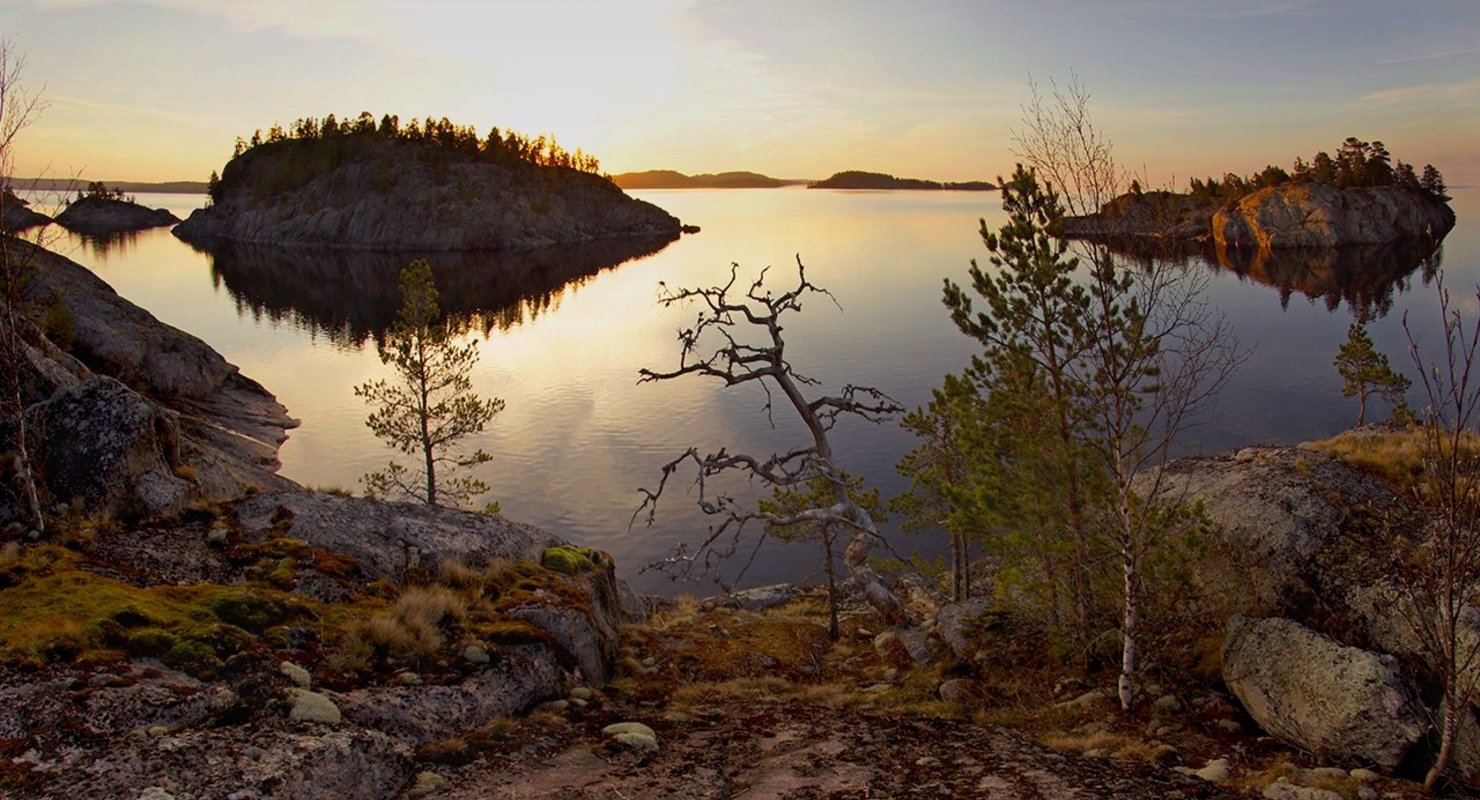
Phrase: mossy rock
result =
(106, 633)
(194, 658)
(569, 559)
(151, 642)
(253, 610)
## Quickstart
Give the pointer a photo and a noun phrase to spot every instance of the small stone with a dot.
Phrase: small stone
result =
(634, 735)
(155, 793)
(650, 662)
(581, 693)
(312, 707)
(1332, 773)
(1364, 775)
(960, 691)
(577, 702)
(1228, 725)
(1166, 705)
(217, 537)
(1366, 793)
(298, 675)
(555, 706)
(678, 716)
(157, 731)
(407, 679)
(1215, 771)
(891, 674)
(476, 654)
(427, 783)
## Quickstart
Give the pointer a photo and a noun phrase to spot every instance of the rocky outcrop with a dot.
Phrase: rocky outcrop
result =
(385, 538)
(1157, 215)
(16, 214)
(379, 194)
(1289, 518)
(101, 216)
(226, 427)
(1307, 214)
(106, 448)
(1332, 700)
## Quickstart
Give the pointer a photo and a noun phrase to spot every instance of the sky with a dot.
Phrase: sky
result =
(160, 89)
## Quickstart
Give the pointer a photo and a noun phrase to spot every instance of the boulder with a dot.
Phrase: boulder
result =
(101, 216)
(957, 624)
(1321, 696)
(387, 538)
(1288, 518)
(1308, 214)
(759, 598)
(16, 214)
(103, 447)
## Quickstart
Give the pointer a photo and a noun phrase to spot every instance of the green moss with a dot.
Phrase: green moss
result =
(255, 610)
(568, 559)
(151, 642)
(194, 658)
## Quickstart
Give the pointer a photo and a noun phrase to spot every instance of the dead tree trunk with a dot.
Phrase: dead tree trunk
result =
(714, 347)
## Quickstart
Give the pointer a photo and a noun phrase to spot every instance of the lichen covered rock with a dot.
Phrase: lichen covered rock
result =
(1308, 214)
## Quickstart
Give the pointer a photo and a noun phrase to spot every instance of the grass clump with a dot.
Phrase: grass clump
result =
(1395, 456)
(569, 559)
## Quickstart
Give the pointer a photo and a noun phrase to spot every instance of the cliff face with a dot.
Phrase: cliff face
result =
(1317, 215)
(377, 194)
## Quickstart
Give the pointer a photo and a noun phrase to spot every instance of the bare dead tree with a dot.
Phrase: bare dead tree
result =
(18, 109)
(717, 347)
(1437, 571)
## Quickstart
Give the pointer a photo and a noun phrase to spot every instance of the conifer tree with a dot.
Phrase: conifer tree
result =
(432, 406)
(1366, 372)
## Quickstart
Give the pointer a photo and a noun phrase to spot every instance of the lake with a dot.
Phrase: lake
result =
(562, 337)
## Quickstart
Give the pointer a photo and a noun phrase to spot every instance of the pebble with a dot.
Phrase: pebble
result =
(313, 707)
(476, 654)
(581, 693)
(634, 735)
(1215, 771)
(217, 537)
(1364, 775)
(298, 675)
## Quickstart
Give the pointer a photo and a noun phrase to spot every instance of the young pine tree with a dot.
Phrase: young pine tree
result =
(432, 406)
(1367, 373)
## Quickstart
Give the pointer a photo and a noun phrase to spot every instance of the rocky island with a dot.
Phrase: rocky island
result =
(105, 214)
(856, 179)
(1360, 198)
(357, 185)
(670, 179)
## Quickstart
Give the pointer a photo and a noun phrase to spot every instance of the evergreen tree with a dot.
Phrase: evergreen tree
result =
(432, 406)
(1433, 182)
(1366, 372)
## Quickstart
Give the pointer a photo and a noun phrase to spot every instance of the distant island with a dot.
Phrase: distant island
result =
(434, 186)
(856, 179)
(670, 179)
(70, 185)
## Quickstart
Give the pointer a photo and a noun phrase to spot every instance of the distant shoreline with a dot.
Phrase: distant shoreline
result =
(79, 184)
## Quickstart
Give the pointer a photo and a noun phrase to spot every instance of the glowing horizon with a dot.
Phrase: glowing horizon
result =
(158, 90)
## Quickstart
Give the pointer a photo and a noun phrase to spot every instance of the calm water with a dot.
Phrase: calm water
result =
(564, 334)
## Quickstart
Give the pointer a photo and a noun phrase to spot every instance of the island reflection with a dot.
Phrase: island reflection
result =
(1365, 278)
(351, 296)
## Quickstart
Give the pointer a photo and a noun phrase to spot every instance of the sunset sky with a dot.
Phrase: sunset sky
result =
(160, 89)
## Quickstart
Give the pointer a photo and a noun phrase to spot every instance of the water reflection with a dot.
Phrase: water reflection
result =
(1363, 277)
(350, 296)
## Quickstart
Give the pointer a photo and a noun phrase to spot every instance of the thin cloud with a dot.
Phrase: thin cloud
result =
(1453, 90)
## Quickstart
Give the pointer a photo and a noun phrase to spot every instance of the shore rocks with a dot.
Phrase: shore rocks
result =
(99, 216)
(18, 216)
(1308, 214)
(1160, 215)
(1286, 515)
(1329, 699)
(103, 447)
(377, 194)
